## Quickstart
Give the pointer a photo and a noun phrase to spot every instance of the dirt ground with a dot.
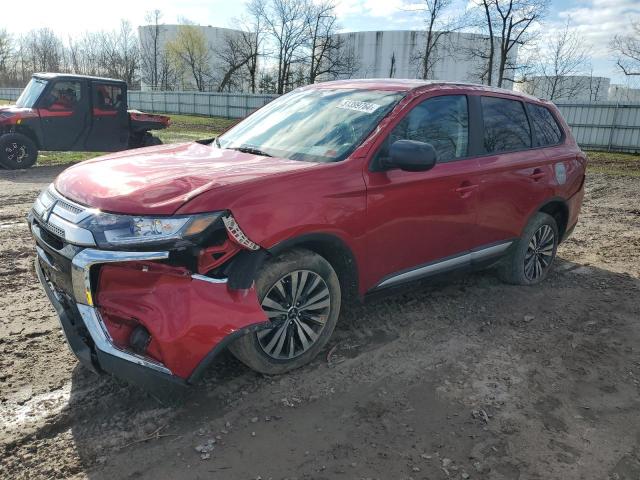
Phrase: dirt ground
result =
(467, 378)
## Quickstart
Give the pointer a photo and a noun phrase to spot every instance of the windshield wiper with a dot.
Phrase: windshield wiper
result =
(250, 149)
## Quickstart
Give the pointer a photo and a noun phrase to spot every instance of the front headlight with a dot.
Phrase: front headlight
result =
(118, 230)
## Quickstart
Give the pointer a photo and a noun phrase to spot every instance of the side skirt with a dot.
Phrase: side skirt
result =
(467, 259)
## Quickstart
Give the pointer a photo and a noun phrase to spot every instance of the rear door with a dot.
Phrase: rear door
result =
(515, 174)
(109, 117)
(63, 110)
(423, 222)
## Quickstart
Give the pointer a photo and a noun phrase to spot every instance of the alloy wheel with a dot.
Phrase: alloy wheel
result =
(16, 152)
(539, 253)
(298, 306)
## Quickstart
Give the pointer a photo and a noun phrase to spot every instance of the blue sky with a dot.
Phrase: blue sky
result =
(596, 20)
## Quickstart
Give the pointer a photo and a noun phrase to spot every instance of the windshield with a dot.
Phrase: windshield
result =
(315, 125)
(31, 93)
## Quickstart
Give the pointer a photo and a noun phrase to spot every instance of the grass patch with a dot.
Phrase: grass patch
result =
(614, 163)
(61, 158)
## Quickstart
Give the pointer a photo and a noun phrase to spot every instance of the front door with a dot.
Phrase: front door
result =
(63, 111)
(423, 222)
(109, 117)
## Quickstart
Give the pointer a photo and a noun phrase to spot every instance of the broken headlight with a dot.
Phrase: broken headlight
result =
(112, 230)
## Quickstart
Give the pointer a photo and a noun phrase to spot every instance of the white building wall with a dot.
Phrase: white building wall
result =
(215, 38)
(374, 51)
(574, 88)
(624, 94)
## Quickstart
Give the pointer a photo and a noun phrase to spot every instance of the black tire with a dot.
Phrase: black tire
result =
(529, 259)
(150, 141)
(17, 151)
(277, 275)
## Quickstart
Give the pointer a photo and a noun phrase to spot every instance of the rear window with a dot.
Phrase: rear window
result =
(506, 127)
(545, 127)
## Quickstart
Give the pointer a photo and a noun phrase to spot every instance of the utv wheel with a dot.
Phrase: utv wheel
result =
(300, 293)
(150, 141)
(17, 151)
(530, 257)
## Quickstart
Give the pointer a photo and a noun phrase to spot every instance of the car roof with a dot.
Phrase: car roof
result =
(52, 75)
(408, 85)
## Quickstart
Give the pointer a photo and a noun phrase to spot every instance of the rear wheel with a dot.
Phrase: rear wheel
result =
(150, 141)
(17, 151)
(530, 258)
(300, 293)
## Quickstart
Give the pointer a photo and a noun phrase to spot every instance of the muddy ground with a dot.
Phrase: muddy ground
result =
(467, 378)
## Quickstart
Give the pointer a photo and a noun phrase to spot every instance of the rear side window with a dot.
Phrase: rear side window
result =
(107, 97)
(506, 127)
(441, 121)
(545, 127)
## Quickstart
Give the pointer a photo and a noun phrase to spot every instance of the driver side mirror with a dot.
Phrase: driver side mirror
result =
(411, 156)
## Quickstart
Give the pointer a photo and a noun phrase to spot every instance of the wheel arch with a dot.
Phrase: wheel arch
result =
(557, 207)
(28, 132)
(333, 249)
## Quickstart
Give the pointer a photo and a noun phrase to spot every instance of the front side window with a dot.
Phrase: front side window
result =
(314, 125)
(506, 127)
(547, 131)
(64, 96)
(441, 121)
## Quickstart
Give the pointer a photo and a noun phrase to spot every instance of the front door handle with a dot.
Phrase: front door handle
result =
(465, 189)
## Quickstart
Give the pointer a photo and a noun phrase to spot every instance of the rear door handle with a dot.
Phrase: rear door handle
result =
(537, 174)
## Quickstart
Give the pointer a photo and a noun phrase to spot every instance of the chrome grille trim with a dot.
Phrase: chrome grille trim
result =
(54, 229)
(61, 216)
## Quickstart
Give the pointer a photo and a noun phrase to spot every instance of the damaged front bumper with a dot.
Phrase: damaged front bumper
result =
(101, 296)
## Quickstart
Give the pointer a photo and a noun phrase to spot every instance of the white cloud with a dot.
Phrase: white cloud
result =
(598, 21)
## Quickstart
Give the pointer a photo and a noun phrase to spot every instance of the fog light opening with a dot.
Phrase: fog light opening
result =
(139, 340)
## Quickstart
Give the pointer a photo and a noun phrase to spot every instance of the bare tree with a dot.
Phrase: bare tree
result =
(565, 56)
(5, 49)
(190, 50)
(151, 51)
(120, 54)
(507, 24)
(241, 50)
(41, 51)
(436, 30)
(253, 27)
(627, 48)
(236, 52)
(287, 23)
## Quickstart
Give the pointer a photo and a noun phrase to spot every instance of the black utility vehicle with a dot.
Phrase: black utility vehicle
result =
(65, 112)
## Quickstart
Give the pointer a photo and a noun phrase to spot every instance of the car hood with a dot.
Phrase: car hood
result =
(159, 180)
(11, 113)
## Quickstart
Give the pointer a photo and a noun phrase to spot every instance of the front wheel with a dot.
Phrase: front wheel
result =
(530, 257)
(300, 293)
(17, 151)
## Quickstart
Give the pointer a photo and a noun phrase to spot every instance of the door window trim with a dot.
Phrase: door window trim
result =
(526, 114)
(563, 135)
(373, 167)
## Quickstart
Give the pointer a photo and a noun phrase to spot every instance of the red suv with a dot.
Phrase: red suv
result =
(157, 259)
